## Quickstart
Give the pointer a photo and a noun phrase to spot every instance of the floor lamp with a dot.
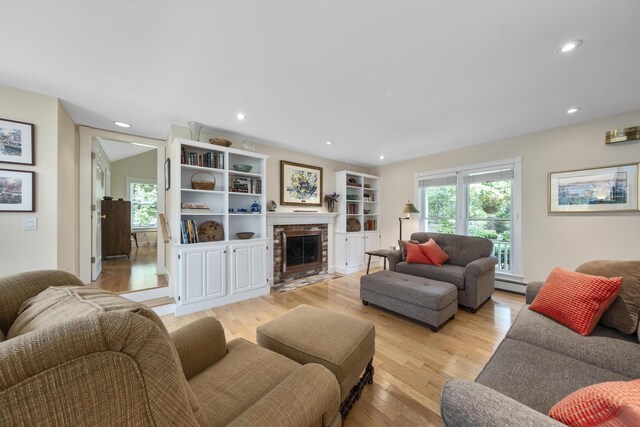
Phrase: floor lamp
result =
(408, 210)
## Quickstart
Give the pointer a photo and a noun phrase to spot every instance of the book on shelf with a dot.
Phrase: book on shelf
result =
(370, 225)
(352, 209)
(246, 185)
(207, 160)
(189, 231)
(191, 205)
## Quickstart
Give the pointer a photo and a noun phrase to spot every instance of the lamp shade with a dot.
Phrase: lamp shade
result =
(409, 208)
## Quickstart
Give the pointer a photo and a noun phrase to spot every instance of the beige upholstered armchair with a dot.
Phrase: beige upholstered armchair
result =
(77, 355)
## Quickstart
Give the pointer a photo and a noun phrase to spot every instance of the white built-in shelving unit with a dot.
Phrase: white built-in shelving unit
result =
(210, 274)
(357, 223)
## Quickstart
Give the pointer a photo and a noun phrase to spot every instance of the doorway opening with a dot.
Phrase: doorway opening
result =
(125, 204)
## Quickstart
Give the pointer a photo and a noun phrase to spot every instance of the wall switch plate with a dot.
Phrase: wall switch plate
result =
(30, 223)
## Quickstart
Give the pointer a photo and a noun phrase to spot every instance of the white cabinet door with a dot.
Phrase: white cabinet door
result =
(215, 261)
(203, 273)
(249, 266)
(192, 276)
(258, 265)
(371, 242)
(355, 249)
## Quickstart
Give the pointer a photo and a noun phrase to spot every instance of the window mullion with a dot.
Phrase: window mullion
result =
(461, 211)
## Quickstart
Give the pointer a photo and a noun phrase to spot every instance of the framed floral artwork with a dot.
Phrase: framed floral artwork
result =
(17, 191)
(300, 185)
(16, 142)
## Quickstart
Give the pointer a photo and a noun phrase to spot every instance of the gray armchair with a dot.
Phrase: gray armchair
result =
(471, 266)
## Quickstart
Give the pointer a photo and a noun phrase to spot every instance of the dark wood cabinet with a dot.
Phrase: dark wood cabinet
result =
(116, 228)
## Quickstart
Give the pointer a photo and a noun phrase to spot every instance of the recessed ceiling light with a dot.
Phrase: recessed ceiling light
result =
(381, 157)
(122, 124)
(329, 142)
(568, 47)
(241, 116)
(573, 110)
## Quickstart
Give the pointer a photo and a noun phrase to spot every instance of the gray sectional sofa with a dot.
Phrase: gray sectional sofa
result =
(537, 364)
(471, 268)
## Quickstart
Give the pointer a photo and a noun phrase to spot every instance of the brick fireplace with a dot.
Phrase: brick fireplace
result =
(299, 250)
(282, 225)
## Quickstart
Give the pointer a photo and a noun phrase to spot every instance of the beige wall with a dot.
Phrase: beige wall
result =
(548, 240)
(28, 250)
(139, 166)
(276, 154)
(68, 162)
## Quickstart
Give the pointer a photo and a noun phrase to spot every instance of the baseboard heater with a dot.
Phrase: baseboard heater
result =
(512, 286)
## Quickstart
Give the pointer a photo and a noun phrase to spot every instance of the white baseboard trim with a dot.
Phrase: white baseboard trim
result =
(511, 287)
(147, 294)
(163, 310)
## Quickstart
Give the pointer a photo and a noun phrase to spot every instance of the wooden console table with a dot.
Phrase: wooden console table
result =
(383, 253)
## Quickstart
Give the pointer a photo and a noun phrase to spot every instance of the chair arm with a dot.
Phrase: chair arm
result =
(394, 258)
(73, 373)
(200, 344)
(307, 395)
(17, 288)
(532, 290)
(480, 266)
(469, 404)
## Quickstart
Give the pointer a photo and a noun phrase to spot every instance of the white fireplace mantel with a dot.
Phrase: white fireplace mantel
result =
(298, 218)
(294, 218)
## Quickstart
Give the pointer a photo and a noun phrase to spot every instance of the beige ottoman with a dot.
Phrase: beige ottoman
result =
(343, 344)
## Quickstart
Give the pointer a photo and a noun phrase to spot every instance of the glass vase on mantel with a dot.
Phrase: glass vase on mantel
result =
(195, 129)
(331, 206)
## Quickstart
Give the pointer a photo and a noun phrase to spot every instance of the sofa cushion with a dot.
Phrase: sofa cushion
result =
(615, 403)
(623, 312)
(403, 248)
(435, 254)
(56, 305)
(605, 347)
(537, 377)
(415, 255)
(239, 380)
(576, 300)
(461, 249)
(447, 273)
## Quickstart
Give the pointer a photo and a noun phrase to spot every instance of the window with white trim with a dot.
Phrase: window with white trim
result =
(477, 200)
(143, 194)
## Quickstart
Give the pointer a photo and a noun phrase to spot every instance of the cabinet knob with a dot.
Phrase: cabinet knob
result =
(103, 216)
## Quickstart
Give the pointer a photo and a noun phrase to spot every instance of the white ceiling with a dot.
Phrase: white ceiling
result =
(118, 150)
(397, 78)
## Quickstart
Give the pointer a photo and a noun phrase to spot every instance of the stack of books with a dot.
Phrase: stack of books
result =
(188, 207)
(246, 185)
(189, 231)
(370, 225)
(352, 208)
(207, 160)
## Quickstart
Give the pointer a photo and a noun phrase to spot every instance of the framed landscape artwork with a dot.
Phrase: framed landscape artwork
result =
(606, 189)
(300, 185)
(16, 142)
(17, 191)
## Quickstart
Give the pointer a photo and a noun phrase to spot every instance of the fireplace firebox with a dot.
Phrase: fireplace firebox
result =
(301, 250)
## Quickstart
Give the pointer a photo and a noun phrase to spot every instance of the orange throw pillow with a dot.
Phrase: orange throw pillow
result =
(415, 254)
(435, 254)
(610, 404)
(576, 300)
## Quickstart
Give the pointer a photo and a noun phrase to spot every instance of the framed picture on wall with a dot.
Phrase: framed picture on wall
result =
(605, 189)
(300, 185)
(16, 142)
(17, 191)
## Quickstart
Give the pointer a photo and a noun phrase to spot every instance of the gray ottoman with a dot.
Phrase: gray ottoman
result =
(429, 301)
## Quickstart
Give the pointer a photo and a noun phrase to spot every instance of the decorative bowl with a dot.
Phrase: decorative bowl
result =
(352, 197)
(245, 235)
(242, 168)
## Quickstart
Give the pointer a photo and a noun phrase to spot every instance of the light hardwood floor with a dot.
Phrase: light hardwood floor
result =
(412, 363)
(122, 274)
